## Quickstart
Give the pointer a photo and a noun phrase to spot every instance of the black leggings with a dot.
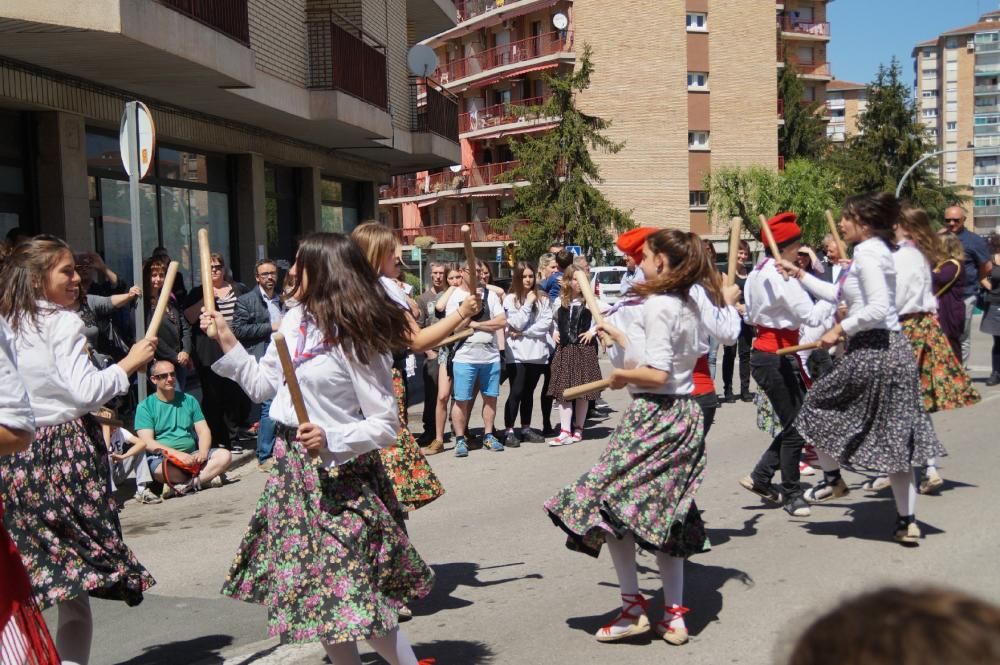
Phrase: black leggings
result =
(996, 354)
(523, 381)
(546, 400)
(729, 353)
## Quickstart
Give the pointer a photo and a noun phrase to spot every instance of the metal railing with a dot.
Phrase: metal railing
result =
(987, 47)
(986, 211)
(987, 88)
(986, 189)
(433, 109)
(470, 9)
(501, 114)
(505, 54)
(230, 17)
(986, 130)
(798, 26)
(810, 68)
(344, 57)
(447, 180)
(481, 231)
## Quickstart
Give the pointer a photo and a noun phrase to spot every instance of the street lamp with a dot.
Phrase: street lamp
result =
(930, 155)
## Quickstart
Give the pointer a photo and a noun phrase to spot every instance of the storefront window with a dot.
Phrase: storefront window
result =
(339, 209)
(116, 218)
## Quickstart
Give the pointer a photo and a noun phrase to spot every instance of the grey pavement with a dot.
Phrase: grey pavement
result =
(509, 592)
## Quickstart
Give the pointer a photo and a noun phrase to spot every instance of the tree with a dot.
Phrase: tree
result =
(890, 139)
(561, 200)
(804, 132)
(744, 192)
(808, 189)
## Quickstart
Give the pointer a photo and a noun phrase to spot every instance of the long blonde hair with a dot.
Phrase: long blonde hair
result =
(376, 241)
(917, 224)
(953, 247)
(568, 280)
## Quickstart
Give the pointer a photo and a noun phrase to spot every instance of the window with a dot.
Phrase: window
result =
(951, 106)
(930, 53)
(339, 202)
(930, 113)
(952, 42)
(951, 167)
(698, 141)
(952, 126)
(986, 181)
(698, 199)
(697, 22)
(929, 93)
(930, 73)
(697, 80)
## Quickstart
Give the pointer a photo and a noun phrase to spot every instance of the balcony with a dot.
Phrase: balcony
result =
(446, 180)
(836, 104)
(988, 69)
(797, 28)
(470, 9)
(985, 211)
(983, 190)
(781, 109)
(501, 116)
(481, 231)
(434, 110)
(812, 69)
(987, 47)
(987, 89)
(344, 57)
(226, 16)
(521, 52)
(986, 130)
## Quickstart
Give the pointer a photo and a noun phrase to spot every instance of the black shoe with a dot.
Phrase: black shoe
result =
(511, 441)
(531, 436)
(796, 506)
(746, 396)
(993, 380)
(729, 397)
(236, 449)
(550, 432)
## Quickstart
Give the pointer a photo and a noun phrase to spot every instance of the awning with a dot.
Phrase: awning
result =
(513, 73)
(428, 202)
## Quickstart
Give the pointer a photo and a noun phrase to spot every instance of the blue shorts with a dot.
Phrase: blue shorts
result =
(465, 375)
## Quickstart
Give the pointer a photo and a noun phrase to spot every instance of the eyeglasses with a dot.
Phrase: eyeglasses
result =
(952, 219)
(164, 375)
(217, 268)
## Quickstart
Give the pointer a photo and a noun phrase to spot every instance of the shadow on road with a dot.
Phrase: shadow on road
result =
(199, 651)
(445, 652)
(449, 576)
(873, 519)
(722, 536)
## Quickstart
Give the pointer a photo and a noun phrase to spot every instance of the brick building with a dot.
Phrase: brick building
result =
(845, 100)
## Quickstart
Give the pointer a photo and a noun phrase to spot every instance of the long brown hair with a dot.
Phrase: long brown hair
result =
(376, 241)
(148, 266)
(23, 274)
(879, 211)
(517, 282)
(917, 224)
(689, 264)
(338, 294)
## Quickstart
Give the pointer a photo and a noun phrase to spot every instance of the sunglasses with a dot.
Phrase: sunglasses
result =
(217, 268)
(952, 219)
(165, 375)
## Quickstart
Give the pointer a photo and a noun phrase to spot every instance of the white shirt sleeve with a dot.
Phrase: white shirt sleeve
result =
(517, 317)
(874, 292)
(543, 322)
(722, 323)
(91, 387)
(659, 315)
(380, 424)
(258, 379)
(15, 409)
(820, 288)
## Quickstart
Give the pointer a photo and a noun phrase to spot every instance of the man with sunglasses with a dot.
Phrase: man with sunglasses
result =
(978, 264)
(173, 419)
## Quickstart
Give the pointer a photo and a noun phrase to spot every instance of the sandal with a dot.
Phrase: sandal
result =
(640, 623)
(673, 635)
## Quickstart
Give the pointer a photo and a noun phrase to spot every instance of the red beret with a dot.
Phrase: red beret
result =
(632, 241)
(784, 227)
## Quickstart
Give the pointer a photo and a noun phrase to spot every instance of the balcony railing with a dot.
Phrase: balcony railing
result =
(987, 47)
(505, 54)
(810, 68)
(798, 26)
(987, 89)
(836, 104)
(987, 69)
(501, 114)
(781, 108)
(986, 130)
(229, 17)
(344, 57)
(986, 189)
(434, 109)
(986, 211)
(447, 180)
(470, 9)
(482, 231)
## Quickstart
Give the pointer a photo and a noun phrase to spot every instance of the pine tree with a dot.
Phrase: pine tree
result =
(804, 132)
(561, 200)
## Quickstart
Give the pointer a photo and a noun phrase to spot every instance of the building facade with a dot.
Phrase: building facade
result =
(272, 119)
(688, 85)
(957, 87)
(845, 100)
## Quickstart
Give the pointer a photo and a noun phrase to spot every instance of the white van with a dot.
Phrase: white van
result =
(606, 282)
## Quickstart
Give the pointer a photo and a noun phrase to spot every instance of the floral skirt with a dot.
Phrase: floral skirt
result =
(324, 554)
(412, 477)
(64, 520)
(944, 383)
(574, 365)
(867, 410)
(644, 482)
(767, 419)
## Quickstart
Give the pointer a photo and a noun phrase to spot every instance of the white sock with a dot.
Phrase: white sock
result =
(932, 465)
(13, 644)
(904, 491)
(344, 653)
(565, 416)
(75, 630)
(581, 413)
(672, 576)
(394, 648)
(623, 556)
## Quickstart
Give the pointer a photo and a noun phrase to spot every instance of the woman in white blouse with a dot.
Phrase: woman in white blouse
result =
(309, 553)
(58, 508)
(867, 411)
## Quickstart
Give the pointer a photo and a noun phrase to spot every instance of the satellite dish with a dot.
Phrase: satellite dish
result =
(455, 168)
(559, 21)
(422, 60)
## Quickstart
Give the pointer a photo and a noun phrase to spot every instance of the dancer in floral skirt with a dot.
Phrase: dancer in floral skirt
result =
(58, 508)
(642, 489)
(323, 552)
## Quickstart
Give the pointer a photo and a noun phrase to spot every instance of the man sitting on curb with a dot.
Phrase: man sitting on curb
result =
(172, 419)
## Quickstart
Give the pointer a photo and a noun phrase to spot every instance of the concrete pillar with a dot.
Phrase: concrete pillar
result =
(61, 165)
(310, 200)
(251, 218)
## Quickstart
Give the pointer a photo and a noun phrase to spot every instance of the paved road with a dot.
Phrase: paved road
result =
(508, 592)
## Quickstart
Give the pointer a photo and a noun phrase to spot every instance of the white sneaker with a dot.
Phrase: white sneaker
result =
(806, 470)
(145, 496)
(564, 439)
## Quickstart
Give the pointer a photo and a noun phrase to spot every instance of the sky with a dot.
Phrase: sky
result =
(868, 32)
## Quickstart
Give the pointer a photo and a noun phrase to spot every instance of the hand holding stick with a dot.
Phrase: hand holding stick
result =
(735, 228)
(292, 382)
(583, 281)
(207, 291)
(470, 258)
(577, 392)
(771, 244)
(457, 337)
(789, 350)
(163, 300)
(841, 247)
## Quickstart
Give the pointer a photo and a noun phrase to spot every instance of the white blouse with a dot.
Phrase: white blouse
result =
(353, 403)
(534, 323)
(774, 302)
(62, 383)
(15, 409)
(721, 323)
(869, 289)
(914, 290)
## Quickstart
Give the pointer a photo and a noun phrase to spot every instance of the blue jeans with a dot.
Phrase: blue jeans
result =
(265, 434)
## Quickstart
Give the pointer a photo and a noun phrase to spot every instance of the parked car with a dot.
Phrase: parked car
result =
(606, 281)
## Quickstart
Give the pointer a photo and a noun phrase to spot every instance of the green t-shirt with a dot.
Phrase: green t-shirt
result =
(172, 422)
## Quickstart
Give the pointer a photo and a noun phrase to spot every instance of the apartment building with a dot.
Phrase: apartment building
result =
(845, 100)
(272, 119)
(689, 85)
(957, 87)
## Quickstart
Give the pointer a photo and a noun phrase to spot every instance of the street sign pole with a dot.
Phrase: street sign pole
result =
(135, 174)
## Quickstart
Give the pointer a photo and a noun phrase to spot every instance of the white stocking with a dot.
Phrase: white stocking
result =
(344, 653)
(904, 491)
(75, 630)
(623, 556)
(566, 416)
(394, 648)
(827, 463)
(13, 644)
(672, 575)
(581, 413)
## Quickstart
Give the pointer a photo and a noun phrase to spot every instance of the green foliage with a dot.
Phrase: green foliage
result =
(561, 200)
(742, 192)
(804, 132)
(413, 281)
(808, 189)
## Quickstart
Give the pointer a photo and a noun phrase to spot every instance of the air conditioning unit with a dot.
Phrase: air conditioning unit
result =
(508, 24)
(970, 45)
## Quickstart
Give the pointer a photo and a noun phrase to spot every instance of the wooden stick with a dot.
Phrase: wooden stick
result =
(576, 392)
(163, 300)
(207, 292)
(841, 247)
(470, 258)
(735, 228)
(583, 281)
(769, 238)
(456, 337)
(789, 350)
(292, 382)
